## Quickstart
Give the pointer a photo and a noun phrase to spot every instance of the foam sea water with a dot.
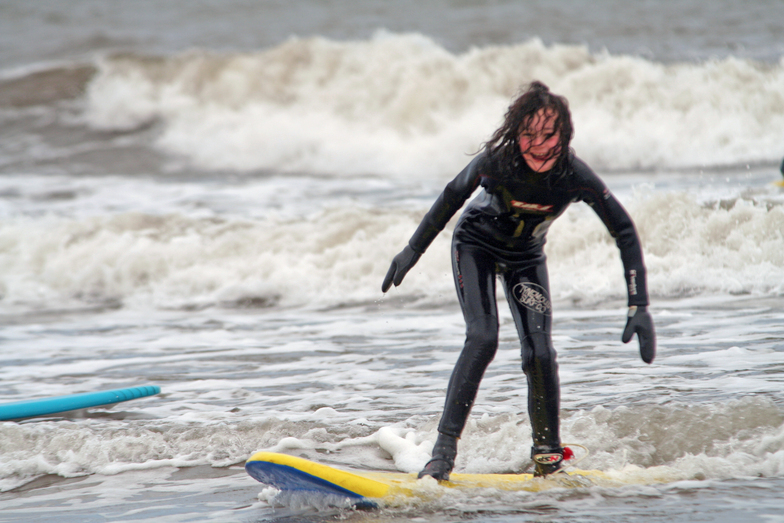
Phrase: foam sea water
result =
(164, 244)
(403, 104)
(234, 383)
(211, 208)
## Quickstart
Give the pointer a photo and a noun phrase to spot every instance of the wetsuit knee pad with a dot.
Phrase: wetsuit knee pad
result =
(482, 332)
(538, 351)
(482, 339)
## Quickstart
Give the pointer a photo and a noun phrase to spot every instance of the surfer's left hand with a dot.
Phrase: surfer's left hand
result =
(640, 321)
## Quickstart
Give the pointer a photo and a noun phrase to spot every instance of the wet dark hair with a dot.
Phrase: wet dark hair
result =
(504, 146)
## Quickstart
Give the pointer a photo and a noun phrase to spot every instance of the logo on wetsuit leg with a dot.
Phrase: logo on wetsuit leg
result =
(532, 297)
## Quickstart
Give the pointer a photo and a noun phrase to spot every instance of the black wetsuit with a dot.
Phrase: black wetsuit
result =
(502, 232)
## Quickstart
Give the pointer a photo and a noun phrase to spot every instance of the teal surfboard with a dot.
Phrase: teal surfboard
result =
(47, 406)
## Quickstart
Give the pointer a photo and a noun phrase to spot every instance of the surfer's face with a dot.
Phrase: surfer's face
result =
(540, 141)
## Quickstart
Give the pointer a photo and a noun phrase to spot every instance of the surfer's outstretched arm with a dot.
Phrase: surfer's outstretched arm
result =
(448, 203)
(621, 227)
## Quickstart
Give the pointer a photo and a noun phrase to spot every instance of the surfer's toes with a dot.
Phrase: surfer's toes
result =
(437, 468)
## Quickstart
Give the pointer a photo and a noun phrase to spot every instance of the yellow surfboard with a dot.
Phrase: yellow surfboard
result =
(365, 489)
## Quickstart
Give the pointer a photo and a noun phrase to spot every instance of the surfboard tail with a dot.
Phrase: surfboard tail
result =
(290, 473)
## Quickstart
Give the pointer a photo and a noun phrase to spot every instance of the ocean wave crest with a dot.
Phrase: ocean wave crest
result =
(400, 104)
(339, 256)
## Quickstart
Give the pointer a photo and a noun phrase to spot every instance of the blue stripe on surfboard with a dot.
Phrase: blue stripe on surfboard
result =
(45, 406)
(288, 478)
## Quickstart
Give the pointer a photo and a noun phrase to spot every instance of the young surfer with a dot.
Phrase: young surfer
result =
(529, 176)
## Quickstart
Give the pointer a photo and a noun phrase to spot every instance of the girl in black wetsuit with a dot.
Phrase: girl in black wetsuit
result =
(529, 177)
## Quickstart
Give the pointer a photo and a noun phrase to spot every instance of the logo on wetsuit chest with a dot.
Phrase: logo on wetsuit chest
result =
(532, 297)
(531, 206)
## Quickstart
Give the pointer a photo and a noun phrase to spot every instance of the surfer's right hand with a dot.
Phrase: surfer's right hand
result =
(401, 264)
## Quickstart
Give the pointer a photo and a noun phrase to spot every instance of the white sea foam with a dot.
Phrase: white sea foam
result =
(336, 255)
(365, 391)
(401, 105)
(643, 445)
(243, 277)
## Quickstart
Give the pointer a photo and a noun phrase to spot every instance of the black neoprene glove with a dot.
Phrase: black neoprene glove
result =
(401, 264)
(641, 322)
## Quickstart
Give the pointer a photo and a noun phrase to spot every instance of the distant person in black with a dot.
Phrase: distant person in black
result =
(529, 176)
(781, 182)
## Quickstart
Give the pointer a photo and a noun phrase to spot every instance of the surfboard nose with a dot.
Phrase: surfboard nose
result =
(46, 406)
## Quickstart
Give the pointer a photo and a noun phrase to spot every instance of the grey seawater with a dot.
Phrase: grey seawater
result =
(322, 382)
(236, 381)
(679, 30)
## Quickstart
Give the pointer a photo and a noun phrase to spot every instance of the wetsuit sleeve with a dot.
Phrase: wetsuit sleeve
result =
(446, 205)
(621, 227)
